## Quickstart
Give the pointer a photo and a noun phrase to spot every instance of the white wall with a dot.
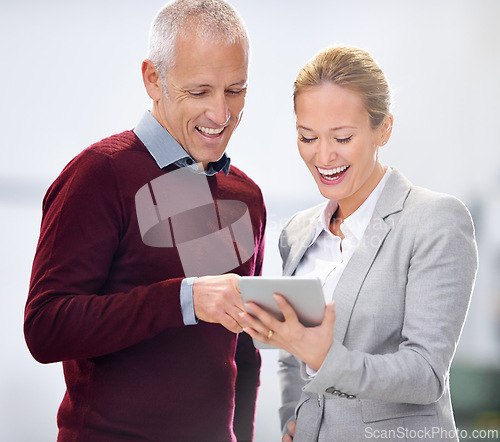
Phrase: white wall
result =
(71, 75)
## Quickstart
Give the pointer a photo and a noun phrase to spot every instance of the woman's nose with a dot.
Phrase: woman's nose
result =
(326, 153)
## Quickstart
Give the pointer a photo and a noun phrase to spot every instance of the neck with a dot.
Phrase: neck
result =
(349, 205)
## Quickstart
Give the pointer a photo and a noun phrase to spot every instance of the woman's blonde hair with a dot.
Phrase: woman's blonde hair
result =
(352, 68)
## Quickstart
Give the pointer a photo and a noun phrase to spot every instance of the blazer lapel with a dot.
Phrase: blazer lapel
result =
(352, 278)
(391, 201)
(302, 240)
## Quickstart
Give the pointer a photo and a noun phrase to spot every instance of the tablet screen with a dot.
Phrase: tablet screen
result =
(305, 295)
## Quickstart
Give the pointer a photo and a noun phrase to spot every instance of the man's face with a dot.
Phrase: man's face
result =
(205, 95)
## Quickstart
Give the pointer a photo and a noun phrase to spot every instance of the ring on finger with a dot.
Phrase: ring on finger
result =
(270, 334)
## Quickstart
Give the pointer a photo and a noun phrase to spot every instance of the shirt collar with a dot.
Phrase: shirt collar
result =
(166, 150)
(356, 223)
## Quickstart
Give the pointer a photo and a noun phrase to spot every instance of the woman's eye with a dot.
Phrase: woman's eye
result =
(306, 140)
(343, 140)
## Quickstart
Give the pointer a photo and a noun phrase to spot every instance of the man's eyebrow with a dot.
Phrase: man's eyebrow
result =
(243, 83)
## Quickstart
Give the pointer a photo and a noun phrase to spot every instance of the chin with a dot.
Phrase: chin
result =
(330, 192)
(328, 195)
(211, 158)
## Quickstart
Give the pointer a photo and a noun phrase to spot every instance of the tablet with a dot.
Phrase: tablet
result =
(305, 295)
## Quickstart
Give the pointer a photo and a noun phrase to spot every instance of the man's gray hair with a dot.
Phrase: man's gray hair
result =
(214, 20)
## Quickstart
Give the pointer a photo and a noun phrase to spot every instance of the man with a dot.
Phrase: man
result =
(130, 229)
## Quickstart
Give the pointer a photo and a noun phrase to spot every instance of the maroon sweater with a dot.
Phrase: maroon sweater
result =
(108, 306)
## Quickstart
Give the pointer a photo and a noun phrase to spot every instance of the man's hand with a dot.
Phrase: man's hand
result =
(217, 299)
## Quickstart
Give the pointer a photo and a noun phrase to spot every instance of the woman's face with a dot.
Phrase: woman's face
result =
(338, 144)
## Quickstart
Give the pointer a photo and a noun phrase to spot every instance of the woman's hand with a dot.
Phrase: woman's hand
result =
(309, 344)
(291, 429)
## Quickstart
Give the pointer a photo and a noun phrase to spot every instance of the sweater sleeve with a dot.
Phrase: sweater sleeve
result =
(248, 361)
(247, 357)
(67, 314)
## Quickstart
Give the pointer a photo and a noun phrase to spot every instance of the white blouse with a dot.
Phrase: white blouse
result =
(328, 255)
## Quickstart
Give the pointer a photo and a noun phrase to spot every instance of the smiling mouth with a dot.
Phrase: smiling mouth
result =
(332, 174)
(209, 131)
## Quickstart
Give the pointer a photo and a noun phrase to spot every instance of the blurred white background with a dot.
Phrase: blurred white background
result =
(71, 75)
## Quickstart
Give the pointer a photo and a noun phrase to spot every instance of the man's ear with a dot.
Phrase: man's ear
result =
(152, 80)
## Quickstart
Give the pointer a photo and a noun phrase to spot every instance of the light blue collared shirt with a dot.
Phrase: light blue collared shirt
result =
(166, 151)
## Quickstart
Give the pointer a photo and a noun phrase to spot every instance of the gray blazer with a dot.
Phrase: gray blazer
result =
(401, 304)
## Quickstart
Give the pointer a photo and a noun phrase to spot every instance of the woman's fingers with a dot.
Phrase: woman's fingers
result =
(330, 316)
(260, 315)
(287, 310)
(260, 323)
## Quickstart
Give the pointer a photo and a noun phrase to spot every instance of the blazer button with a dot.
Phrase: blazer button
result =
(351, 396)
(331, 390)
(342, 395)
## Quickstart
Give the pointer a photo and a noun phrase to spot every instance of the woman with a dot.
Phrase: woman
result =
(397, 264)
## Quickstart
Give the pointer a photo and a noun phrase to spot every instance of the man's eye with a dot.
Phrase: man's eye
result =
(236, 91)
(197, 94)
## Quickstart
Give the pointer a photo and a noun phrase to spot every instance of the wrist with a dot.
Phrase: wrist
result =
(314, 358)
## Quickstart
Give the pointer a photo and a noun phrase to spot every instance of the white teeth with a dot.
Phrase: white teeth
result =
(329, 172)
(210, 131)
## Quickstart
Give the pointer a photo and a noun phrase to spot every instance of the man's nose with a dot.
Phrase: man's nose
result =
(219, 110)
